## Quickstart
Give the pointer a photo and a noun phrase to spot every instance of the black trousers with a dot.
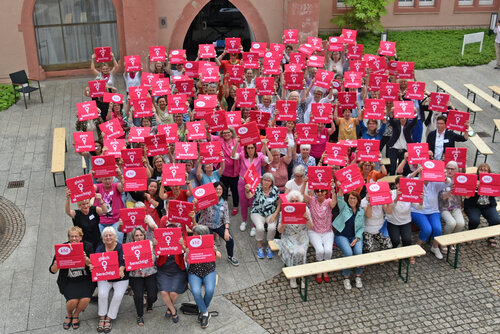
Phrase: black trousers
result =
(232, 183)
(398, 233)
(396, 156)
(138, 285)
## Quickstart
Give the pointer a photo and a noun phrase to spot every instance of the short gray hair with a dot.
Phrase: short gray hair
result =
(305, 146)
(294, 194)
(299, 169)
(453, 164)
(201, 230)
(268, 176)
(110, 229)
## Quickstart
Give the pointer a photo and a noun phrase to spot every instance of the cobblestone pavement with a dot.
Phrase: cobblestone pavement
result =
(435, 299)
(13, 226)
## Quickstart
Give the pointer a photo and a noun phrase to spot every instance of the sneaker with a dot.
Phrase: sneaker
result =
(260, 252)
(253, 231)
(347, 284)
(205, 320)
(293, 283)
(243, 226)
(200, 315)
(359, 284)
(269, 253)
(437, 252)
(233, 261)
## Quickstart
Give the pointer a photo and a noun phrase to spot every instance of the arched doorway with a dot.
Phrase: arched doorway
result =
(217, 20)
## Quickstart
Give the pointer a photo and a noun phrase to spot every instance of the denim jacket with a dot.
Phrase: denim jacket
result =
(346, 213)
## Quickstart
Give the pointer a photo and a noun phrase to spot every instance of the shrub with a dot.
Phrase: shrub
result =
(7, 96)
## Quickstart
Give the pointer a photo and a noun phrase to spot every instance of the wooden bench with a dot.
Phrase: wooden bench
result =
(471, 170)
(495, 91)
(402, 254)
(496, 128)
(460, 237)
(386, 161)
(273, 245)
(471, 107)
(473, 90)
(59, 149)
(389, 178)
(481, 147)
(84, 164)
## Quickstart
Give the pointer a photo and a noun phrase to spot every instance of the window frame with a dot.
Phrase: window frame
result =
(91, 24)
(417, 7)
(476, 7)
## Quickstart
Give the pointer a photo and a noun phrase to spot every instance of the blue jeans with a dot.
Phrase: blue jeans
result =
(115, 226)
(196, 282)
(429, 225)
(345, 246)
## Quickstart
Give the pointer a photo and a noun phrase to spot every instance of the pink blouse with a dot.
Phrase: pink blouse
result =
(232, 166)
(280, 174)
(318, 149)
(258, 161)
(321, 215)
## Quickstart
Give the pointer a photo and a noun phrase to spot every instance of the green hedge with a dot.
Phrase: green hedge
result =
(433, 48)
(7, 96)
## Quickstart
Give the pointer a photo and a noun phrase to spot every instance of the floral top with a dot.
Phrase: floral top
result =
(300, 161)
(451, 203)
(201, 269)
(265, 206)
(213, 219)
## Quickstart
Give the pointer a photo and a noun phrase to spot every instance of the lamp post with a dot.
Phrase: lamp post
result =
(383, 36)
(493, 22)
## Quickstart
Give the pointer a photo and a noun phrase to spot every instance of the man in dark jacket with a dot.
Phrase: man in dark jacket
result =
(401, 136)
(441, 138)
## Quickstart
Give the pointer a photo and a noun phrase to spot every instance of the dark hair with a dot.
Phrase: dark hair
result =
(246, 152)
(224, 189)
(353, 193)
(441, 118)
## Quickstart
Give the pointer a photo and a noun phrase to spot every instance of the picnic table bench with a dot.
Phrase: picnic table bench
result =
(496, 128)
(59, 149)
(481, 147)
(448, 240)
(473, 90)
(471, 107)
(403, 254)
(495, 91)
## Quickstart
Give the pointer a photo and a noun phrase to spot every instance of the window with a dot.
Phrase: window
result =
(426, 3)
(68, 30)
(341, 4)
(465, 2)
(485, 2)
(406, 3)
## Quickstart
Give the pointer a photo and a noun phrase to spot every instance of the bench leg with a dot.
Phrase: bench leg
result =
(404, 278)
(455, 263)
(54, 177)
(303, 295)
(494, 132)
(475, 159)
(439, 89)
(474, 118)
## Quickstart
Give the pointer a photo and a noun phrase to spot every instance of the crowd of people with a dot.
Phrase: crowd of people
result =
(348, 220)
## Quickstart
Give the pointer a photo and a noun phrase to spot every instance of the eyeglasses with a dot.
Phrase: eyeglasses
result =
(297, 175)
(320, 191)
(450, 168)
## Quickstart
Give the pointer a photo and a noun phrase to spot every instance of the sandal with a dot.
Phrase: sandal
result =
(140, 321)
(100, 328)
(107, 326)
(76, 324)
(493, 242)
(67, 325)
(168, 314)
(175, 317)
(149, 309)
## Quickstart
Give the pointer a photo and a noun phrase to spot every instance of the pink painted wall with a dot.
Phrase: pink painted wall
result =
(304, 16)
(12, 57)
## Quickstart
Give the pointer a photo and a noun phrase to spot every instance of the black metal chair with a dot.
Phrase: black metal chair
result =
(21, 84)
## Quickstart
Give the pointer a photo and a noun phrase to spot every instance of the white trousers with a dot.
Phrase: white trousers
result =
(322, 243)
(103, 288)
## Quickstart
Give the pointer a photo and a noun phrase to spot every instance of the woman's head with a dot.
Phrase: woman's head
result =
(353, 199)
(159, 66)
(212, 89)
(152, 187)
(451, 169)
(75, 234)
(232, 91)
(267, 180)
(483, 168)
(162, 102)
(228, 134)
(249, 74)
(366, 166)
(109, 235)
(275, 152)
(178, 119)
(98, 146)
(293, 96)
(105, 68)
(290, 125)
(201, 230)
(207, 168)
(138, 233)
(372, 125)
(299, 171)
(318, 93)
(146, 122)
(84, 205)
(250, 151)
(220, 190)
(158, 162)
(346, 113)
(320, 193)
(266, 100)
(294, 196)
(304, 150)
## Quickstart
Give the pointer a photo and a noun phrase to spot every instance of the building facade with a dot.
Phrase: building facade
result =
(56, 37)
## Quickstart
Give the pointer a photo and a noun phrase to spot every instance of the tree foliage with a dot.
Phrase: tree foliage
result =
(363, 15)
